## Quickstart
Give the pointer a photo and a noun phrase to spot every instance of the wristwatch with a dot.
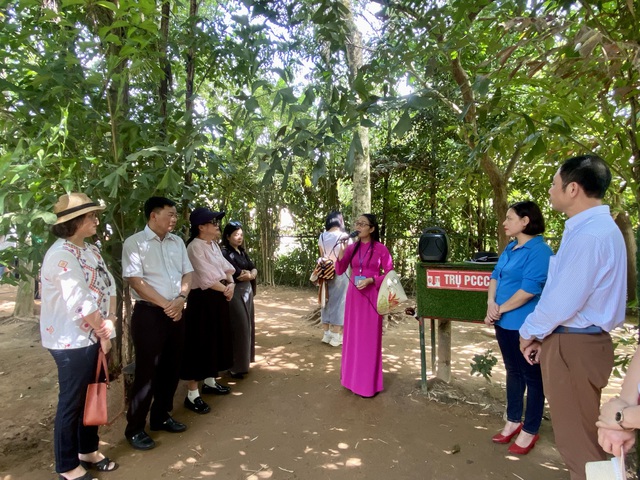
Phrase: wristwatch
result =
(619, 418)
(183, 296)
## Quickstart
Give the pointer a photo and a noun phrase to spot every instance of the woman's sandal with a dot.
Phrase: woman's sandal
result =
(101, 466)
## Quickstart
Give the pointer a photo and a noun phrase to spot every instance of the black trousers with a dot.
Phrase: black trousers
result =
(158, 342)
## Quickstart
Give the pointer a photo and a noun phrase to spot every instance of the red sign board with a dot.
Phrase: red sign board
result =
(458, 279)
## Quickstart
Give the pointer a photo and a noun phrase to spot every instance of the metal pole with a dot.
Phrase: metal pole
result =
(423, 356)
(433, 345)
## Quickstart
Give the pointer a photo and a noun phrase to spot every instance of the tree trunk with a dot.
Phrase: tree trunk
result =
(362, 162)
(268, 218)
(362, 177)
(496, 179)
(624, 224)
(24, 296)
(165, 65)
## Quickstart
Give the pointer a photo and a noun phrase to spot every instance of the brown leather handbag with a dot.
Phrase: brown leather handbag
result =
(95, 405)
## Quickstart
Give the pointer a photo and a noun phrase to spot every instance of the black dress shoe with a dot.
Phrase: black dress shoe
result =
(217, 390)
(198, 405)
(237, 376)
(170, 425)
(141, 441)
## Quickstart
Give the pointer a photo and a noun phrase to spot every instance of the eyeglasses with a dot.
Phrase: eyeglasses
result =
(235, 223)
(362, 224)
(213, 222)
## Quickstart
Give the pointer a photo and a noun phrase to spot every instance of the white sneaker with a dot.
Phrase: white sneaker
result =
(326, 338)
(336, 339)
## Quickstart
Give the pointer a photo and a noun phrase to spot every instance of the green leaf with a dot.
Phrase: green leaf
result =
(319, 171)
(403, 125)
(251, 104)
(360, 86)
(170, 180)
(482, 84)
(108, 5)
(531, 128)
(419, 102)
(157, 150)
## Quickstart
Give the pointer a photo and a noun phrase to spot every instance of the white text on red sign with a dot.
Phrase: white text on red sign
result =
(458, 280)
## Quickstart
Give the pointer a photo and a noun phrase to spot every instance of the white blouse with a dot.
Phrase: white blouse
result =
(75, 283)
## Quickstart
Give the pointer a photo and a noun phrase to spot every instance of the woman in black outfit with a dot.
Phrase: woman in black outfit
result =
(241, 308)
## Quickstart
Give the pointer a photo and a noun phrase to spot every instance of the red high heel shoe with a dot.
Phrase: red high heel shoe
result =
(518, 450)
(499, 438)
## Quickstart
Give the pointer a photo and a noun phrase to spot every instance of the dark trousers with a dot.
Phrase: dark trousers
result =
(575, 369)
(521, 376)
(76, 370)
(158, 341)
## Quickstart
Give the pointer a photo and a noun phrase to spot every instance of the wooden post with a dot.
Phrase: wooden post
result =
(444, 350)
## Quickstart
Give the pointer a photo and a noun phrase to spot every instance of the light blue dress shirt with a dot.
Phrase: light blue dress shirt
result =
(524, 268)
(587, 282)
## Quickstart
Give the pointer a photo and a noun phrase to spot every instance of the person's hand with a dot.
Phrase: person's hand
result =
(612, 441)
(488, 320)
(105, 329)
(105, 345)
(493, 311)
(245, 276)
(531, 351)
(608, 410)
(364, 283)
(228, 291)
(174, 308)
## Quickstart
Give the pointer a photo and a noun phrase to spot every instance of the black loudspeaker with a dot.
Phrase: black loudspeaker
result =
(433, 245)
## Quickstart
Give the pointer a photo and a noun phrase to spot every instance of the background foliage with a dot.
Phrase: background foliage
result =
(444, 112)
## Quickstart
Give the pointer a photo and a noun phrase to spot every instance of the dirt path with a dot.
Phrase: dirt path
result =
(289, 418)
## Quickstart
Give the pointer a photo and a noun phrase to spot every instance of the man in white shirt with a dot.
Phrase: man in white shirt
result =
(156, 266)
(583, 300)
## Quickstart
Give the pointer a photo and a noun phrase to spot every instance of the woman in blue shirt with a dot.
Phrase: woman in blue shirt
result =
(514, 290)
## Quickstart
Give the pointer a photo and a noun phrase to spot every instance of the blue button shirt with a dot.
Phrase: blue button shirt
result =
(524, 268)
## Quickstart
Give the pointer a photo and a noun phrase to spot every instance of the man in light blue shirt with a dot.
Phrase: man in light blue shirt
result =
(583, 300)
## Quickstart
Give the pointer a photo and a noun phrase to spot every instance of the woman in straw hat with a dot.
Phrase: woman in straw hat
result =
(76, 319)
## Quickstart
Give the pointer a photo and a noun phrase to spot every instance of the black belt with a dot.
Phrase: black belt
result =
(590, 330)
(147, 304)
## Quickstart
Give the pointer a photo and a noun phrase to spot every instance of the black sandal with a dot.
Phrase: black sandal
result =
(101, 466)
(86, 476)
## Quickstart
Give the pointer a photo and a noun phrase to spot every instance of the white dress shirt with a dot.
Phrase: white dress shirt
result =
(161, 263)
(587, 281)
(75, 283)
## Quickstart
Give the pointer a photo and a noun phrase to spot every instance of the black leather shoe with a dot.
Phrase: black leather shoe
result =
(198, 405)
(141, 441)
(237, 376)
(217, 390)
(170, 425)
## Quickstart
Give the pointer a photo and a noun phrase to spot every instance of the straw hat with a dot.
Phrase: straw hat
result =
(73, 205)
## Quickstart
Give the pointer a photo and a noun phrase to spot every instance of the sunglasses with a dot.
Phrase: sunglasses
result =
(235, 223)
(104, 275)
(213, 222)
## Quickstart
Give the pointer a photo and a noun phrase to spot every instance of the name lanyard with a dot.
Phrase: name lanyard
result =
(360, 256)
